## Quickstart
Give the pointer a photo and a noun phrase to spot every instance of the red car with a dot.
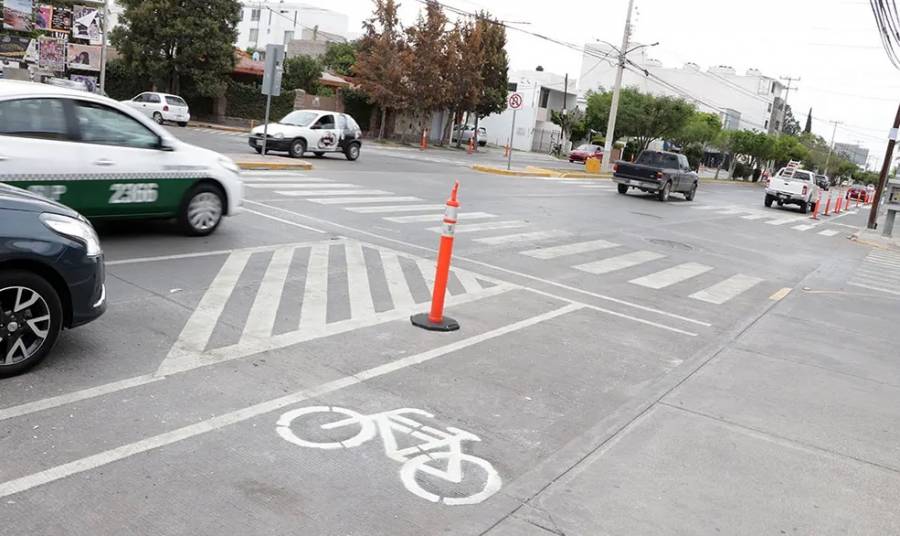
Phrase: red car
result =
(856, 192)
(582, 153)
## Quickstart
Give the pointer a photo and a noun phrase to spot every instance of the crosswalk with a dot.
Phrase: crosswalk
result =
(879, 271)
(220, 132)
(308, 291)
(776, 218)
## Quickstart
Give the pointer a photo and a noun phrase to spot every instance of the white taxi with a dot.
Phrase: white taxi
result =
(316, 131)
(108, 161)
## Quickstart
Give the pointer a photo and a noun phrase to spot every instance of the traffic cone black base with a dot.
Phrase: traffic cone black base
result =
(446, 324)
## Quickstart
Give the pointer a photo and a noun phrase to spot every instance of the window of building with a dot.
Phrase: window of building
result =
(512, 86)
(545, 97)
(773, 88)
(254, 35)
(777, 125)
(770, 107)
(767, 124)
(254, 14)
(288, 35)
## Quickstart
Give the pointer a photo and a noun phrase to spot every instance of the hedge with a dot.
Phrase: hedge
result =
(246, 101)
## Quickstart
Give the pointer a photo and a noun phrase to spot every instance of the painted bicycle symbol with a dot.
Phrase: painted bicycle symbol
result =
(439, 453)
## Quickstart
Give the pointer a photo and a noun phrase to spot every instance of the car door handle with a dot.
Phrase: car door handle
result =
(104, 162)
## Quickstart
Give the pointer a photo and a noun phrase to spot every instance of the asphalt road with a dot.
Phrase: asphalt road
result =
(623, 367)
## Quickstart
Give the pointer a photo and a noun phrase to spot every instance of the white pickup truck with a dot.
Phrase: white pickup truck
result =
(793, 186)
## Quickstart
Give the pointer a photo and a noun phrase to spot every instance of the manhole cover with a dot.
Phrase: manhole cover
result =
(671, 244)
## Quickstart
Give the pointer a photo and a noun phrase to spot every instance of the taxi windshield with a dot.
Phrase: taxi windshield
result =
(299, 118)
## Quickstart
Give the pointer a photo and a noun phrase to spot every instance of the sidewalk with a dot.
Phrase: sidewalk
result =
(791, 428)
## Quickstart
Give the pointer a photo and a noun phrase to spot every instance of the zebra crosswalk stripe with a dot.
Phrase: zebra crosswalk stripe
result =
(396, 281)
(361, 305)
(569, 249)
(389, 209)
(310, 193)
(620, 262)
(302, 186)
(436, 217)
(727, 289)
(490, 226)
(671, 276)
(313, 308)
(261, 319)
(363, 200)
(521, 237)
(828, 232)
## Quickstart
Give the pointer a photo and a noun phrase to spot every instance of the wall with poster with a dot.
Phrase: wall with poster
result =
(53, 39)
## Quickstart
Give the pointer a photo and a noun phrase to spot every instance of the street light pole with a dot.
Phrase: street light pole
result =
(103, 51)
(614, 106)
(831, 147)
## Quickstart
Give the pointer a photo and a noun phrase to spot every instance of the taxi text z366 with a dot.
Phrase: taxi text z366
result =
(133, 193)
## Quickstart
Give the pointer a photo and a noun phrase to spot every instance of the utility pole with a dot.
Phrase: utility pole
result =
(565, 111)
(617, 88)
(787, 91)
(885, 168)
(831, 147)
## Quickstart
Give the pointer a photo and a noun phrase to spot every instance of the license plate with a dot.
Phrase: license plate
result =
(634, 183)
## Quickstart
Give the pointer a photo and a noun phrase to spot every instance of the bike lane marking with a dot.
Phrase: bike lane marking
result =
(101, 459)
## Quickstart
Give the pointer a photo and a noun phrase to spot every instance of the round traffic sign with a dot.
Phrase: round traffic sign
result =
(515, 101)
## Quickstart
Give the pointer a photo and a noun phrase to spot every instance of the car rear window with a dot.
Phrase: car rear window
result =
(588, 148)
(175, 101)
(660, 160)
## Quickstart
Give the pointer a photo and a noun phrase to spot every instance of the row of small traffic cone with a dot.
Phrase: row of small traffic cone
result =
(470, 148)
(839, 204)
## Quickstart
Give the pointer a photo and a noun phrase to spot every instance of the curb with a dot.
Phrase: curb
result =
(512, 173)
(571, 174)
(255, 164)
(217, 127)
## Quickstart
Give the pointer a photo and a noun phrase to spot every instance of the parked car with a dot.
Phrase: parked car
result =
(823, 182)
(319, 131)
(792, 186)
(858, 191)
(657, 172)
(108, 161)
(466, 132)
(161, 107)
(583, 152)
(51, 276)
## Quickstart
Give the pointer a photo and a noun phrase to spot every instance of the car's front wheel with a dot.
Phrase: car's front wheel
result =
(182, 123)
(689, 195)
(768, 201)
(352, 151)
(298, 147)
(202, 210)
(31, 317)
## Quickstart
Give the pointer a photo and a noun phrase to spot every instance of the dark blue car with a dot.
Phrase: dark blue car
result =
(51, 276)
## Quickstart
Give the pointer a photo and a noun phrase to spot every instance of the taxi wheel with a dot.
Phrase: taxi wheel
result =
(352, 151)
(298, 147)
(158, 117)
(202, 209)
(182, 123)
(258, 150)
(31, 317)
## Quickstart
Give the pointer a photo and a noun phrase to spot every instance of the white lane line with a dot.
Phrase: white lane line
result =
(804, 227)
(261, 318)
(828, 232)
(76, 396)
(617, 263)
(305, 186)
(360, 200)
(314, 307)
(598, 186)
(874, 287)
(396, 280)
(310, 193)
(756, 216)
(468, 280)
(671, 276)
(490, 226)
(727, 289)
(569, 249)
(101, 459)
(729, 211)
(285, 179)
(462, 216)
(782, 221)
(427, 268)
(281, 220)
(395, 208)
(704, 207)
(522, 237)
(199, 327)
(358, 290)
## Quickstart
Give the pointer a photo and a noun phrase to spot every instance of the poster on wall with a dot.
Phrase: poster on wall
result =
(84, 57)
(86, 24)
(31, 54)
(13, 46)
(43, 16)
(17, 15)
(90, 82)
(61, 20)
(51, 53)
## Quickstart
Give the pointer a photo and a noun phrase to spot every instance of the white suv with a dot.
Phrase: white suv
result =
(161, 107)
(793, 186)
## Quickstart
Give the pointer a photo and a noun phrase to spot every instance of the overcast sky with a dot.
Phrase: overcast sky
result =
(832, 45)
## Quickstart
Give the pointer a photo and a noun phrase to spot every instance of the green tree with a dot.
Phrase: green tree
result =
(790, 124)
(167, 40)
(567, 121)
(701, 127)
(426, 86)
(302, 72)
(464, 84)
(339, 58)
(494, 66)
(641, 116)
(382, 60)
(787, 148)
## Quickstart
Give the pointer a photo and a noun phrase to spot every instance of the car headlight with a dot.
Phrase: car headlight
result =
(278, 136)
(76, 229)
(229, 164)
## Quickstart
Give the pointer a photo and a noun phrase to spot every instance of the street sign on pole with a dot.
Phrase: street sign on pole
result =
(515, 102)
(271, 85)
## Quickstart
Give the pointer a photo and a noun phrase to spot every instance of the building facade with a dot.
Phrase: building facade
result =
(750, 101)
(857, 154)
(279, 23)
(542, 92)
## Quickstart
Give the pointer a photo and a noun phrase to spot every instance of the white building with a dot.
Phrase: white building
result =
(750, 101)
(853, 152)
(541, 92)
(278, 23)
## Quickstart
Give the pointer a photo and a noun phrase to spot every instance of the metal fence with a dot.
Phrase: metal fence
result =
(544, 140)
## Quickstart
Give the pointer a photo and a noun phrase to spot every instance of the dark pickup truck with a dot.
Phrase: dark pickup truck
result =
(657, 172)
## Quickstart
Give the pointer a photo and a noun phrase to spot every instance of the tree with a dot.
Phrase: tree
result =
(494, 71)
(302, 72)
(701, 128)
(464, 83)
(790, 125)
(339, 58)
(426, 87)
(808, 128)
(787, 148)
(641, 116)
(382, 61)
(567, 122)
(168, 40)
